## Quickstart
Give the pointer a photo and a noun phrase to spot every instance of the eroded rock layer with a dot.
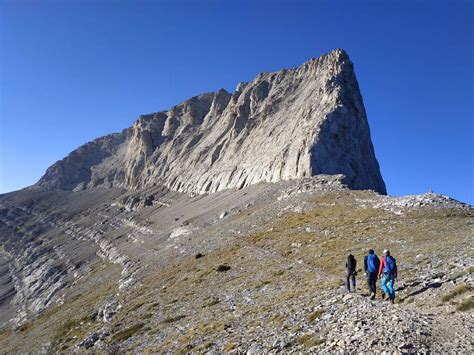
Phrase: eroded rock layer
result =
(284, 125)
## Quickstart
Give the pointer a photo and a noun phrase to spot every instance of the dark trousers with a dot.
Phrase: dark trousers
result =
(350, 275)
(372, 281)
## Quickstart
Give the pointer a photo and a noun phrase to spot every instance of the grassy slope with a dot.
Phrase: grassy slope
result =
(189, 305)
(276, 278)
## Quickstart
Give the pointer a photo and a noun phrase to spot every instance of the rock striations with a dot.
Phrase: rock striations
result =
(284, 125)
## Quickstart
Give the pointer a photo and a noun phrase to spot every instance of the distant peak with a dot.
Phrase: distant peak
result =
(339, 52)
(339, 55)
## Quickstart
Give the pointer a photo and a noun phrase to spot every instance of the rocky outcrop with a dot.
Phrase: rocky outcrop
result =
(284, 125)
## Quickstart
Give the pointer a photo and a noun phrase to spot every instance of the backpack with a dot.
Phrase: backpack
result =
(390, 265)
(351, 263)
(372, 263)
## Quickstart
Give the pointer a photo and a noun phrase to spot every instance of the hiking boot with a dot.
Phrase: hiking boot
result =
(392, 301)
(372, 296)
(384, 296)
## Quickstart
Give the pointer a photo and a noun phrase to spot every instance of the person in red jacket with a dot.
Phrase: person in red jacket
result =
(388, 272)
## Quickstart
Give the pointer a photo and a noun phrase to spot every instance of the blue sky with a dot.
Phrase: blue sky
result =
(72, 71)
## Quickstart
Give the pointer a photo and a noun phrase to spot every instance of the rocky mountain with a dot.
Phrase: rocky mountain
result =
(223, 226)
(285, 125)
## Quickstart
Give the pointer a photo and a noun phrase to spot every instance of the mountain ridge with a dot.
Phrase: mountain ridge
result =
(297, 122)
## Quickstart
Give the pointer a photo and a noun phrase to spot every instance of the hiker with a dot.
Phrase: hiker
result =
(371, 268)
(351, 272)
(388, 272)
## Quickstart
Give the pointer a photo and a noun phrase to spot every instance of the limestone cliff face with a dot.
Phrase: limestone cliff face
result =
(285, 125)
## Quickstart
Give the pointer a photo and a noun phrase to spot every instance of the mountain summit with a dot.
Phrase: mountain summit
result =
(289, 124)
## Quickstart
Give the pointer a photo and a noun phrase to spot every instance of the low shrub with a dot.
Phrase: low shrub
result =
(223, 268)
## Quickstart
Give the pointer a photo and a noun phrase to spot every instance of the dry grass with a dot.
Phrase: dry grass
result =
(314, 262)
(314, 315)
(308, 340)
(5, 333)
(229, 347)
(212, 302)
(278, 319)
(174, 319)
(127, 333)
(466, 305)
(459, 290)
(339, 227)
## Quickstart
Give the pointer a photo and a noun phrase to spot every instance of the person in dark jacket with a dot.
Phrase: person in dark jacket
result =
(351, 265)
(371, 268)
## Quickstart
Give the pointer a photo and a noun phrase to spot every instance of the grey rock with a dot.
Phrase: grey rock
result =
(107, 311)
(289, 124)
(223, 214)
(92, 339)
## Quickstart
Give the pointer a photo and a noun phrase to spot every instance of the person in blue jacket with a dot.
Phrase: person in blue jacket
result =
(371, 268)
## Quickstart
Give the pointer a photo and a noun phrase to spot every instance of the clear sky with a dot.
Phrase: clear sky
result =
(72, 71)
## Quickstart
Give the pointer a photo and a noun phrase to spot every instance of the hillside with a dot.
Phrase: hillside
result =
(256, 269)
